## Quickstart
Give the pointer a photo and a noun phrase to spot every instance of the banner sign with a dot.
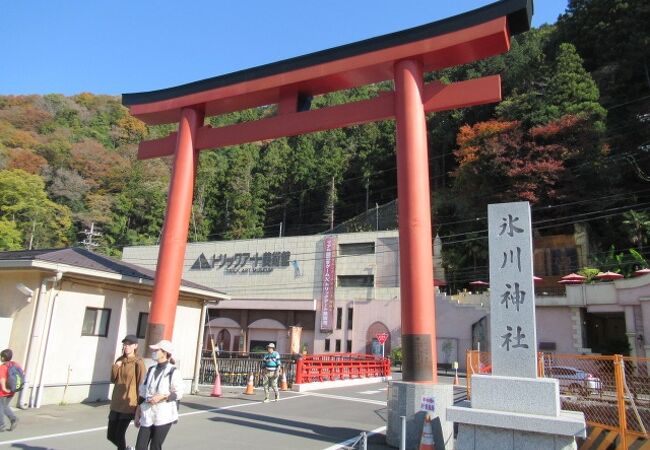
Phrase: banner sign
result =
(329, 280)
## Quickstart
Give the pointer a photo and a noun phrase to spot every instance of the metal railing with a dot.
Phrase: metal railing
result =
(340, 366)
(612, 391)
(235, 368)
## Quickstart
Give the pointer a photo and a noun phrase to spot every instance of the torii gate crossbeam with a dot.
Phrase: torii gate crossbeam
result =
(403, 57)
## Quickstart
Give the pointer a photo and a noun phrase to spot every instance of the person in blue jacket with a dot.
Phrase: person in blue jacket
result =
(272, 365)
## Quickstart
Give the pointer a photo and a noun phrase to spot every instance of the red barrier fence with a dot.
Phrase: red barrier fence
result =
(340, 366)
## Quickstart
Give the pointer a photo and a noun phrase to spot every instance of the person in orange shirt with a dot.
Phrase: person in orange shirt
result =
(5, 394)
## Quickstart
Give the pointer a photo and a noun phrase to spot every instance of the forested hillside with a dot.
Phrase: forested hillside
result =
(572, 136)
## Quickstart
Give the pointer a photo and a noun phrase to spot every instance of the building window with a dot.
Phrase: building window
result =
(356, 280)
(143, 319)
(339, 318)
(350, 311)
(358, 248)
(327, 345)
(348, 346)
(338, 346)
(96, 322)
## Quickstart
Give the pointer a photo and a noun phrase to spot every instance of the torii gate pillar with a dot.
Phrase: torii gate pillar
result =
(173, 241)
(419, 353)
(416, 262)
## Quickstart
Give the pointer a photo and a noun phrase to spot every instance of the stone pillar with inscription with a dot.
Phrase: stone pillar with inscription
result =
(512, 408)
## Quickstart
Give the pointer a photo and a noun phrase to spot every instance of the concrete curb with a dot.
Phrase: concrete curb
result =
(305, 387)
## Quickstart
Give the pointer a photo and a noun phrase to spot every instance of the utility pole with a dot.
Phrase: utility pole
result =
(377, 216)
(332, 200)
(90, 234)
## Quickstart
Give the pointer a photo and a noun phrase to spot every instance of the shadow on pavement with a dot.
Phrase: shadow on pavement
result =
(274, 424)
(28, 447)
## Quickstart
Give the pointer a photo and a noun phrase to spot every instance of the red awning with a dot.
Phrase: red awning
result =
(571, 281)
(574, 277)
(609, 276)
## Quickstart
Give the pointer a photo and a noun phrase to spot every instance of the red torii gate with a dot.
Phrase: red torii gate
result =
(403, 57)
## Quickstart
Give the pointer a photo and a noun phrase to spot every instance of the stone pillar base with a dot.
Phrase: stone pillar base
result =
(476, 437)
(404, 399)
(480, 429)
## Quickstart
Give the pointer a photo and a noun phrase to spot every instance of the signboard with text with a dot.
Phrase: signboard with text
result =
(428, 403)
(244, 263)
(512, 295)
(329, 283)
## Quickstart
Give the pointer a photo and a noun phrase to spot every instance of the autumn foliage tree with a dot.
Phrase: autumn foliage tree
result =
(498, 162)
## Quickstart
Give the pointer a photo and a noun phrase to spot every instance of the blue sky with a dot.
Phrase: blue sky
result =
(122, 46)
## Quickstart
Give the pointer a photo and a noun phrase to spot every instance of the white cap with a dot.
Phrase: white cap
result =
(271, 345)
(163, 345)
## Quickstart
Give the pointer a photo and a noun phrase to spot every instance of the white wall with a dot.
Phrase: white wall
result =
(185, 337)
(77, 368)
(554, 324)
(6, 325)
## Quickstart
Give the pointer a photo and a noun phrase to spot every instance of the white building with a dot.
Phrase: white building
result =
(278, 283)
(64, 314)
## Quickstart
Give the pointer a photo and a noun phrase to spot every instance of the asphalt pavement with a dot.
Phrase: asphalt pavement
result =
(328, 419)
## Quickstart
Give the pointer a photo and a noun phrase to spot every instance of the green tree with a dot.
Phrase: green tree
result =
(637, 227)
(10, 236)
(23, 200)
(137, 211)
(572, 90)
(560, 89)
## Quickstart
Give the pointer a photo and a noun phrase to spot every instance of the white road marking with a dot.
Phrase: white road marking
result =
(369, 392)
(345, 444)
(91, 430)
(352, 399)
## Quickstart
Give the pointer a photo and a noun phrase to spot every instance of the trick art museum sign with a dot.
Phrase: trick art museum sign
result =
(244, 263)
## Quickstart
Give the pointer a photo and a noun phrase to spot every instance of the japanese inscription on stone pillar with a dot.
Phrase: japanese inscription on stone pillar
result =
(512, 295)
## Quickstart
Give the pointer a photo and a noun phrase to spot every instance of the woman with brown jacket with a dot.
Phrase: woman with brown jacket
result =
(127, 374)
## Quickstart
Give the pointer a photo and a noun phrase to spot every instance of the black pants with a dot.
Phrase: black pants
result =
(152, 437)
(117, 425)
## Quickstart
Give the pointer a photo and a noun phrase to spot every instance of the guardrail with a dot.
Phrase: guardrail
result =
(340, 366)
(236, 367)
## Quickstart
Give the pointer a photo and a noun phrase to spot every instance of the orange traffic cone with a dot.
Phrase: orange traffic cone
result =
(426, 442)
(283, 382)
(456, 382)
(250, 387)
(216, 388)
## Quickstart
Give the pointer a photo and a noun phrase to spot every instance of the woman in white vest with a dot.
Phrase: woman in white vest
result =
(159, 393)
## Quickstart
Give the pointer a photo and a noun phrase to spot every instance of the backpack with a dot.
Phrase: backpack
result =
(169, 374)
(15, 377)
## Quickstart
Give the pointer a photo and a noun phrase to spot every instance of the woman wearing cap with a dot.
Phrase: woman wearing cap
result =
(162, 388)
(127, 374)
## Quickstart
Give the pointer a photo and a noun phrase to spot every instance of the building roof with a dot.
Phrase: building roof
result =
(444, 43)
(81, 261)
